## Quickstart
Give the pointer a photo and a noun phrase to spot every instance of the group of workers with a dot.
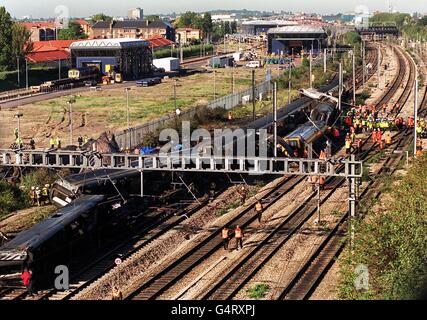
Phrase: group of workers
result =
(53, 142)
(366, 119)
(238, 233)
(39, 195)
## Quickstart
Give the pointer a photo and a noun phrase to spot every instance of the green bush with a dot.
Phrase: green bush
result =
(189, 51)
(258, 291)
(11, 199)
(392, 243)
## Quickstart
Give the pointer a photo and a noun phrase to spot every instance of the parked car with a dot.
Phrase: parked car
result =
(148, 82)
(253, 64)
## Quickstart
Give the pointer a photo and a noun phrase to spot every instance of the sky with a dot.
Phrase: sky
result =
(84, 8)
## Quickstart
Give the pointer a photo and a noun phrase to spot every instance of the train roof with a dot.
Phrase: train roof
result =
(96, 176)
(306, 131)
(47, 228)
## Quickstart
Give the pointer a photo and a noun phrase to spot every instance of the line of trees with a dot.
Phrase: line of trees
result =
(14, 41)
(204, 22)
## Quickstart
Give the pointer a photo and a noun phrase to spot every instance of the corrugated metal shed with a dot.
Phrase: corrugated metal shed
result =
(298, 29)
(109, 43)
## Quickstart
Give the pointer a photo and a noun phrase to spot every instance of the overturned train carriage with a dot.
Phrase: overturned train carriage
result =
(76, 230)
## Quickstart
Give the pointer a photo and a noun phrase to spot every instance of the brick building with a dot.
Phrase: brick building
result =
(188, 35)
(136, 29)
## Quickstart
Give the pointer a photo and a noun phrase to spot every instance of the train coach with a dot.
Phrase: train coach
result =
(71, 234)
(84, 73)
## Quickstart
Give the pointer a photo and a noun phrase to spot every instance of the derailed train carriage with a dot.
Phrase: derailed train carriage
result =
(75, 231)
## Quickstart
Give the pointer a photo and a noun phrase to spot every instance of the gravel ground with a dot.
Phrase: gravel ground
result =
(151, 259)
(253, 234)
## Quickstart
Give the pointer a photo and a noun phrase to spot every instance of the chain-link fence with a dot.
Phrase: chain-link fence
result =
(134, 136)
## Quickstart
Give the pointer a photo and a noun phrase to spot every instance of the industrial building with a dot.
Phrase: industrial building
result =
(261, 27)
(299, 38)
(136, 29)
(131, 57)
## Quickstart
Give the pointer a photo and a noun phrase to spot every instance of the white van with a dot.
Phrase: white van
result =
(253, 64)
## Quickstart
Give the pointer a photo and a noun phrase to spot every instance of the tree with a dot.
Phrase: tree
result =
(187, 19)
(423, 21)
(207, 25)
(73, 32)
(233, 27)
(227, 28)
(152, 18)
(100, 17)
(5, 39)
(21, 44)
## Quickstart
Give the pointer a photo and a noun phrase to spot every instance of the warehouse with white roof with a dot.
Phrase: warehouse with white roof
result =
(301, 37)
(130, 57)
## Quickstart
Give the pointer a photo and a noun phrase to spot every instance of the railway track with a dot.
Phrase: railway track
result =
(92, 273)
(310, 275)
(154, 287)
(233, 280)
(202, 250)
(136, 242)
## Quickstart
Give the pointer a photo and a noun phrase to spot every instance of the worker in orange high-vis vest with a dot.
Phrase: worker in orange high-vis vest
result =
(388, 139)
(322, 155)
(225, 238)
(238, 234)
(258, 210)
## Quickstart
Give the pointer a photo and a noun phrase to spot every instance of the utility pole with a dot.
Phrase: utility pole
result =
(253, 95)
(70, 103)
(379, 65)
(354, 76)
(26, 74)
(415, 112)
(59, 69)
(340, 86)
(19, 72)
(232, 79)
(214, 84)
(290, 77)
(311, 69)
(352, 200)
(324, 60)
(174, 93)
(128, 116)
(363, 64)
(18, 116)
(275, 117)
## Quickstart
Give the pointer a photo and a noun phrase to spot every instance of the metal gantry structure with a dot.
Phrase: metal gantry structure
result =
(181, 162)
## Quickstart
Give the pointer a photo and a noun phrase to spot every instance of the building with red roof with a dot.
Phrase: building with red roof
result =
(45, 51)
(41, 31)
(158, 42)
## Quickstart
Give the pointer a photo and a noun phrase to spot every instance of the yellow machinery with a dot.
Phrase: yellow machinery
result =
(114, 76)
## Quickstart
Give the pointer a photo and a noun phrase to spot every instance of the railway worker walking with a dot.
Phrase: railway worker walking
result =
(38, 196)
(225, 237)
(32, 144)
(388, 140)
(58, 142)
(52, 143)
(86, 139)
(116, 294)
(33, 195)
(242, 195)
(238, 234)
(80, 141)
(45, 193)
(348, 145)
(259, 209)
(19, 143)
(27, 280)
(359, 146)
